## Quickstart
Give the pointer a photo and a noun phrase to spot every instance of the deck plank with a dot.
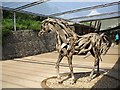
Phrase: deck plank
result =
(28, 72)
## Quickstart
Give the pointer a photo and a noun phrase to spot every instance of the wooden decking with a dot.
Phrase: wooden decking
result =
(28, 72)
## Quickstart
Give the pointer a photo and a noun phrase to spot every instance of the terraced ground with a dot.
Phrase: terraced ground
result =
(28, 72)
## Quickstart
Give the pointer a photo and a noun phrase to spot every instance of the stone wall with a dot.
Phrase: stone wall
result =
(26, 43)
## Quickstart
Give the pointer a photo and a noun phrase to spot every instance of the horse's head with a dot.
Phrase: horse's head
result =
(47, 26)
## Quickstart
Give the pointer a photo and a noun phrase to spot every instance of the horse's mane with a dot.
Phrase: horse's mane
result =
(64, 25)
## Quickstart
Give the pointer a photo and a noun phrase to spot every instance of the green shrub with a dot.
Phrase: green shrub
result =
(7, 24)
(23, 21)
(28, 24)
(34, 25)
(6, 32)
(7, 27)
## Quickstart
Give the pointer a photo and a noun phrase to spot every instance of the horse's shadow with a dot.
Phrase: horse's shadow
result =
(79, 75)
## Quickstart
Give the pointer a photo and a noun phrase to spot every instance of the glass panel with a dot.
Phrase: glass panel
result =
(15, 3)
(55, 6)
(90, 12)
(51, 7)
(97, 17)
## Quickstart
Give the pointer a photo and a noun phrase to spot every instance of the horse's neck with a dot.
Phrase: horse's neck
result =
(61, 37)
(63, 33)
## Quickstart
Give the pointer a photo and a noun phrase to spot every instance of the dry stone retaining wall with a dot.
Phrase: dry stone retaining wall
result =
(26, 43)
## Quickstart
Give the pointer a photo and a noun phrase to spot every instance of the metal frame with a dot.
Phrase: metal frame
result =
(30, 5)
(20, 9)
(25, 6)
(37, 14)
(103, 14)
(98, 19)
(14, 21)
(86, 8)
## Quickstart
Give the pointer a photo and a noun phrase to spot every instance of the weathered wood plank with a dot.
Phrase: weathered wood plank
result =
(22, 82)
(28, 72)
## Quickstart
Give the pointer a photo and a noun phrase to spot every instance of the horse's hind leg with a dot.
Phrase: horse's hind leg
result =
(95, 64)
(60, 57)
(93, 70)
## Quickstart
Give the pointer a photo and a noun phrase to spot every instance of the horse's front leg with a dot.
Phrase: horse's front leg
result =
(98, 57)
(98, 71)
(71, 67)
(60, 57)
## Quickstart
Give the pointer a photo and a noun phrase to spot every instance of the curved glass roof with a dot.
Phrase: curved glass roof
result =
(73, 10)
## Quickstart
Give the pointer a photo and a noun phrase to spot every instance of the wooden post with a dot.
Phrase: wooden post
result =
(95, 24)
(98, 26)
(90, 26)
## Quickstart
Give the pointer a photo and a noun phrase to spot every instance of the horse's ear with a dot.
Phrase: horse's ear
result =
(48, 18)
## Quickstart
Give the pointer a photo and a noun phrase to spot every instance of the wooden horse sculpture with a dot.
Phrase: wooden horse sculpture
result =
(69, 43)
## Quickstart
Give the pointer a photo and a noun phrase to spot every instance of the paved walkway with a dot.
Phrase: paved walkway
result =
(28, 72)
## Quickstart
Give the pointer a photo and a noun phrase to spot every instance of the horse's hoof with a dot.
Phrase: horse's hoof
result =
(72, 81)
(89, 79)
(97, 74)
(60, 82)
(58, 77)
